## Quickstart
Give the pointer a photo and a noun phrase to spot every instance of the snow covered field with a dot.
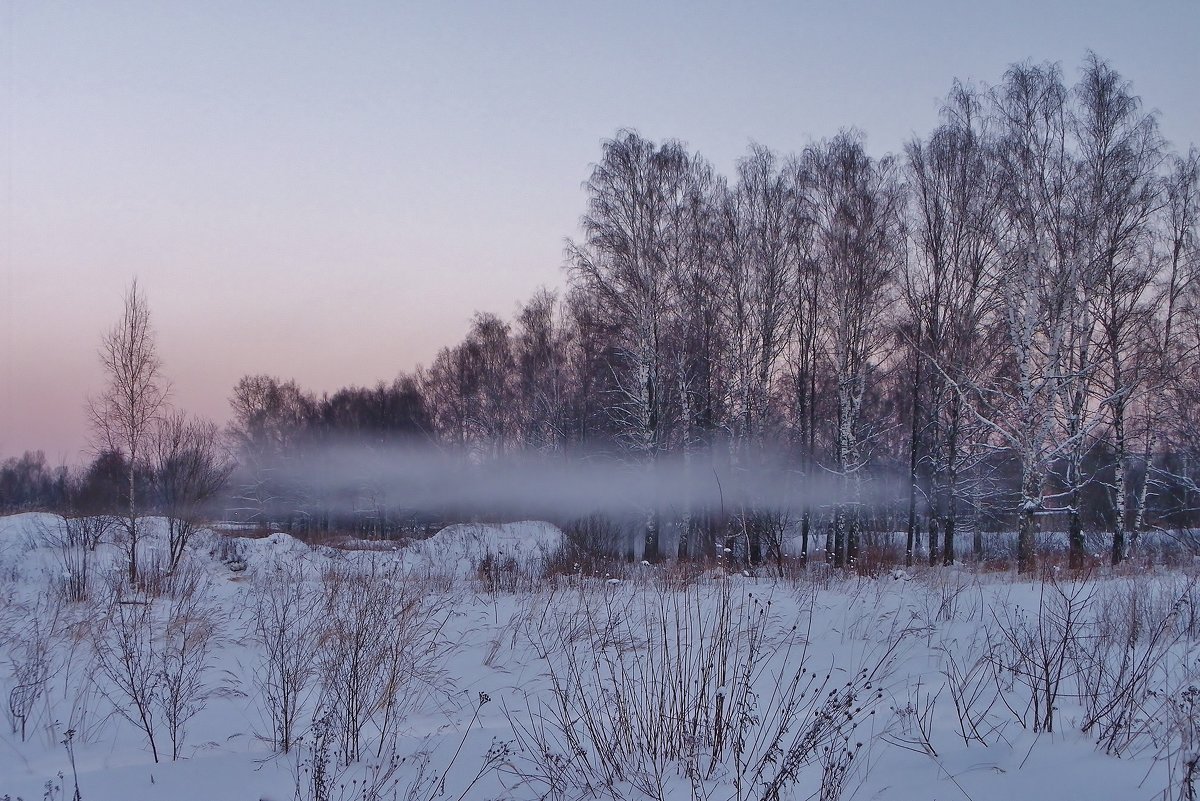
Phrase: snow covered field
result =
(268, 669)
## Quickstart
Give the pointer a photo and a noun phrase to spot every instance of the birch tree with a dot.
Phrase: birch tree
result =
(761, 240)
(123, 416)
(1040, 277)
(697, 344)
(761, 234)
(542, 373)
(1120, 152)
(1178, 347)
(634, 194)
(951, 291)
(269, 420)
(857, 205)
(803, 356)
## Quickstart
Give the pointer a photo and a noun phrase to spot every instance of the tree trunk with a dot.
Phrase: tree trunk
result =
(1025, 560)
(754, 546)
(1075, 558)
(805, 522)
(951, 489)
(132, 532)
(948, 538)
(1139, 514)
(853, 535)
(910, 543)
(1119, 482)
(933, 539)
(839, 536)
(651, 551)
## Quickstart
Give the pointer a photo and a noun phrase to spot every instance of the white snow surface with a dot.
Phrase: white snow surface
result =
(460, 548)
(497, 653)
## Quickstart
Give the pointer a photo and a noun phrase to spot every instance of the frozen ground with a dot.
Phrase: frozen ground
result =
(435, 683)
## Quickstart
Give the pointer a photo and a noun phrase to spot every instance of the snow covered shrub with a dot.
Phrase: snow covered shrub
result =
(378, 655)
(153, 664)
(837, 762)
(31, 661)
(702, 686)
(973, 691)
(187, 641)
(590, 547)
(1136, 626)
(320, 768)
(82, 717)
(1188, 594)
(72, 542)
(1182, 744)
(284, 627)
(322, 774)
(1036, 650)
(128, 669)
(503, 573)
(154, 577)
(228, 549)
(915, 721)
(943, 596)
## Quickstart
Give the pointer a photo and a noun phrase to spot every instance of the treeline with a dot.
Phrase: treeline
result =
(1001, 320)
(1004, 315)
(31, 483)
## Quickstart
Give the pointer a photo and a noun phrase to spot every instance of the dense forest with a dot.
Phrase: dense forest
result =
(995, 330)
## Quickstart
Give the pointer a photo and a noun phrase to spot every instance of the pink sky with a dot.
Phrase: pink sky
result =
(327, 192)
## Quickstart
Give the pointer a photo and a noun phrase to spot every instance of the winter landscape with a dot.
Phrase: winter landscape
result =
(476, 667)
(852, 469)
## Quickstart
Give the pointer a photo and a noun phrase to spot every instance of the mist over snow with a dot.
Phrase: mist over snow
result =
(561, 485)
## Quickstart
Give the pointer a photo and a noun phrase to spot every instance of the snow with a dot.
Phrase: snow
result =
(459, 549)
(499, 655)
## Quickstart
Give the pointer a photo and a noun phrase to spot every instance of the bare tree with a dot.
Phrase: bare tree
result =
(189, 469)
(453, 379)
(1043, 313)
(1171, 410)
(184, 660)
(950, 287)
(542, 378)
(1120, 153)
(804, 354)
(270, 420)
(126, 656)
(762, 234)
(123, 416)
(285, 627)
(29, 483)
(763, 230)
(857, 203)
(696, 341)
(633, 240)
(490, 347)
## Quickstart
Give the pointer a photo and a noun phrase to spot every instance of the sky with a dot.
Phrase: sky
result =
(329, 191)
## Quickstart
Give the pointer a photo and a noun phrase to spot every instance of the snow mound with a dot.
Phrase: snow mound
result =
(459, 549)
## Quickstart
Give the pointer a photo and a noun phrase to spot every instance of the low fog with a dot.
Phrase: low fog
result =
(351, 476)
